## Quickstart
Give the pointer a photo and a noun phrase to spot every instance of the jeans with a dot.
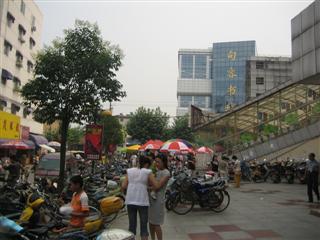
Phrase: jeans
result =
(143, 214)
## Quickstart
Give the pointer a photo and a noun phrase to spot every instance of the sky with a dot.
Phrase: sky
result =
(150, 33)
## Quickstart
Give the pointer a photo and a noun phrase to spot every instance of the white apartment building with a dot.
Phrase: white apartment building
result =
(20, 40)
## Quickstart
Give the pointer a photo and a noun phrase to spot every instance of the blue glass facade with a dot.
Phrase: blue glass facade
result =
(229, 73)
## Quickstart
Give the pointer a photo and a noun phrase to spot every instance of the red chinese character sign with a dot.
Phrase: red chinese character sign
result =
(93, 142)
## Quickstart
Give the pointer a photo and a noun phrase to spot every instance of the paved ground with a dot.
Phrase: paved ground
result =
(256, 211)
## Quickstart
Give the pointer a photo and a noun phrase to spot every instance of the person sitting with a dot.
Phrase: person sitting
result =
(79, 203)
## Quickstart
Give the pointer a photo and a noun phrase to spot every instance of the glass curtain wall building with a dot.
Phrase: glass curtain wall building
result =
(229, 73)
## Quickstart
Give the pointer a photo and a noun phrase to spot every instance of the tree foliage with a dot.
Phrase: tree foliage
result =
(145, 124)
(72, 78)
(52, 135)
(75, 135)
(180, 129)
(113, 132)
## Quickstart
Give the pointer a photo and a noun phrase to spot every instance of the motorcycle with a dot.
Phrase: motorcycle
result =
(300, 172)
(187, 192)
(289, 171)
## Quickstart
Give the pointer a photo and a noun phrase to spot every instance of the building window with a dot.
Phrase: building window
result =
(200, 68)
(259, 80)
(3, 104)
(33, 24)
(7, 47)
(16, 84)
(258, 94)
(10, 19)
(14, 108)
(185, 101)
(22, 32)
(22, 7)
(30, 66)
(187, 66)
(259, 65)
(200, 101)
(19, 59)
(32, 43)
(26, 112)
(5, 75)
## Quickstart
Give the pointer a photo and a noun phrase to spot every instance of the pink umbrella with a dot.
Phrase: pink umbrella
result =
(176, 146)
(204, 150)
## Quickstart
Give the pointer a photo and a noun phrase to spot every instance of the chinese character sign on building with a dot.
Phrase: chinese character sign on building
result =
(9, 126)
(93, 142)
(229, 73)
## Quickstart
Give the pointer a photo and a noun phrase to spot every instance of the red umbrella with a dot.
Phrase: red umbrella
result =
(152, 145)
(204, 150)
(15, 144)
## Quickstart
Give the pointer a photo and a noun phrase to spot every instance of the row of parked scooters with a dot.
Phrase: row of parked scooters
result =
(105, 200)
(289, 171)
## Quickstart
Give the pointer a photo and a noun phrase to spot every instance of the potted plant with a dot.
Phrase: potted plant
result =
(270, 130)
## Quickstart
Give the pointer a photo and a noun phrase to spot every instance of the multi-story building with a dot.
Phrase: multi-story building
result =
(194, 81)
(20, 39)
(226, 75)
(265, 73)
(213, 79)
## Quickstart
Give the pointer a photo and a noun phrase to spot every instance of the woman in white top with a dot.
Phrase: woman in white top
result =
(137, 198)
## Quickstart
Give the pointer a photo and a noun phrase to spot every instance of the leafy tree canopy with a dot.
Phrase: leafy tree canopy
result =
(72, 78)
(113, 132)
(145, 124)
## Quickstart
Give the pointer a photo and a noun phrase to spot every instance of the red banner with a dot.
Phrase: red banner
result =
(93, 142)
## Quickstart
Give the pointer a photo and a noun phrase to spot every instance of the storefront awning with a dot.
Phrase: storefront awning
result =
(38, 139)
(16, 144)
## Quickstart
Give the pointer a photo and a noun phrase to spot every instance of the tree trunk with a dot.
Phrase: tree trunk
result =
(64, 135)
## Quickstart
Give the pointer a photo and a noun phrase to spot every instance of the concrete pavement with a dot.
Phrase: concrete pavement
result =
(256, 211)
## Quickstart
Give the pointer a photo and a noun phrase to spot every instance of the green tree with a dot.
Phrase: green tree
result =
(72, 78)
(147, 124)
(74, 136)
(180, 129)
(52, 135)
(113, 132)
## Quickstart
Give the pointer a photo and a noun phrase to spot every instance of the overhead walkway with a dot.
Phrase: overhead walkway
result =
(280, 118)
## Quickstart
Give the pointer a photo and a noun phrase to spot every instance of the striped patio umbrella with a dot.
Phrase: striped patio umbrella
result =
(177, 145)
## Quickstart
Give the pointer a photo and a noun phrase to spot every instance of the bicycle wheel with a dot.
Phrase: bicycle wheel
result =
(215, 198)
(183, 203)
(224, 204)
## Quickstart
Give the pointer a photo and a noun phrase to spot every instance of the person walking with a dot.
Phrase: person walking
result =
(156, 210)
(223, 167)
(312, 174)
(137, 199)
(237, 171)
